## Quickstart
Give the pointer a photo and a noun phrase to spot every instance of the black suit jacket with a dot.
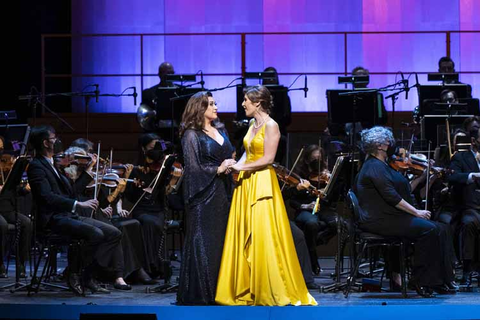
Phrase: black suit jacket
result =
(53, 194)
(467, 196)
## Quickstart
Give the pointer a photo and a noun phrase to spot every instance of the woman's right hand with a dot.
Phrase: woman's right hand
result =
(424, 214)
(303, 185)
(226, 164)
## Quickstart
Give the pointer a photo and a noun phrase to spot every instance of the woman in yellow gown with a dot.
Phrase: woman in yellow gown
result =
(259, 262)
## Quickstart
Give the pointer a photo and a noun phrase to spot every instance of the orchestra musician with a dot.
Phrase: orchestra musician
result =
(319, 226)
(385, 197)
(57, 210)
(8, 216)
(465, 179)
(130, 261)
(150, 210)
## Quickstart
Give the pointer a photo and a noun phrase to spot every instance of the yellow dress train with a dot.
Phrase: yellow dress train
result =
(259, 262)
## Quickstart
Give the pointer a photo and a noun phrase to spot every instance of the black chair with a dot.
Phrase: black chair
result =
(367, 240)
(49, 244)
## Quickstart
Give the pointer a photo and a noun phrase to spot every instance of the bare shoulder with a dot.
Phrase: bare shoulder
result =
(271, 125)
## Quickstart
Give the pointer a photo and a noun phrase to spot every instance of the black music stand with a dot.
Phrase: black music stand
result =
(16, 137)
(340, 174)
(433, 92)
(155, 191)
(281, 112)
(10, 190)
(169, 106)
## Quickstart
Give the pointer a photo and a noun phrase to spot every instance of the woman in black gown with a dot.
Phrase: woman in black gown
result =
(385, 197)
(207, 190)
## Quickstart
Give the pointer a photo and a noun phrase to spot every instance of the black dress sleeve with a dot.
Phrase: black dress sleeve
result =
(198, 176)
(382, 180)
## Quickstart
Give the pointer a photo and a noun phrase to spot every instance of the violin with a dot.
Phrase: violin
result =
(416, 165)
(65, 160)
(111, 180)
(319, 178)
(293, 179)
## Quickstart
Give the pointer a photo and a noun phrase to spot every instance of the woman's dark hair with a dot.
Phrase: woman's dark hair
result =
(83, 143)
(304, 160)
(146, 138)
(261, 94)
(193, 116)
(40, 134)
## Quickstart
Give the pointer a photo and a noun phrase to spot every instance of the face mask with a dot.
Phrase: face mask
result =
(314, 165)
(391, 150)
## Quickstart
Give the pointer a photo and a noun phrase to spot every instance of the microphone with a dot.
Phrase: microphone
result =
(134, 96)
(202, 83)
(416, 80)
(97, 92)
(405, 85)
(305, 88)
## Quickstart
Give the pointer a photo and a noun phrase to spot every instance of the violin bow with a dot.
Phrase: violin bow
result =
(447, 124)
(317, 202)
(96, 176)
(152, 184)
(427, 186)
(293, 167)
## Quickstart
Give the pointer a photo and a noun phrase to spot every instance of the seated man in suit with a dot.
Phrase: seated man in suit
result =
(57, 210)
(466, 191)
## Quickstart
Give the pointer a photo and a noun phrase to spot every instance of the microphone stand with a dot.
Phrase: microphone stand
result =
(86, 94)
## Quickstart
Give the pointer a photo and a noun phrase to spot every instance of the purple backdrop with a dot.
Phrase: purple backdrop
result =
(121, 56)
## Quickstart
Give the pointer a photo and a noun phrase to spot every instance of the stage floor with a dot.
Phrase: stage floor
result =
(384, 305)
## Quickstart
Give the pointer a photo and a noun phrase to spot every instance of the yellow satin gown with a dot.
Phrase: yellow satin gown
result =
(259, 262)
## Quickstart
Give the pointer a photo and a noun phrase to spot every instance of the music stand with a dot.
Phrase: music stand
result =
(281, 112)
(10, 190)
(169, 106)
(434, 91)
(340, 170)
(15, 136)
(359, 106)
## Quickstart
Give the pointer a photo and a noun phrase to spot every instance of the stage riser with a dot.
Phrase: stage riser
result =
(406, 310)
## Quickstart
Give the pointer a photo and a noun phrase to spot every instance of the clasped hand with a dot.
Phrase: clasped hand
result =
(226, 166)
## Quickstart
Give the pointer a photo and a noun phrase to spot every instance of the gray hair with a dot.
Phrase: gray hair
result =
(75, 150)
(372, 138)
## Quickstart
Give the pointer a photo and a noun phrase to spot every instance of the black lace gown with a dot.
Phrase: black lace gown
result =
(207, 202)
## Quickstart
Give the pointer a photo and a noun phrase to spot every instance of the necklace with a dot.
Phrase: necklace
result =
(255, 126)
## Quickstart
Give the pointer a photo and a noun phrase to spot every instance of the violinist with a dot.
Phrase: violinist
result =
(8, 216)
(319, 226)
(83, 144)
(465, 180)
(384, 195)
(150, 210)
(130, 261)
(57, 210)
